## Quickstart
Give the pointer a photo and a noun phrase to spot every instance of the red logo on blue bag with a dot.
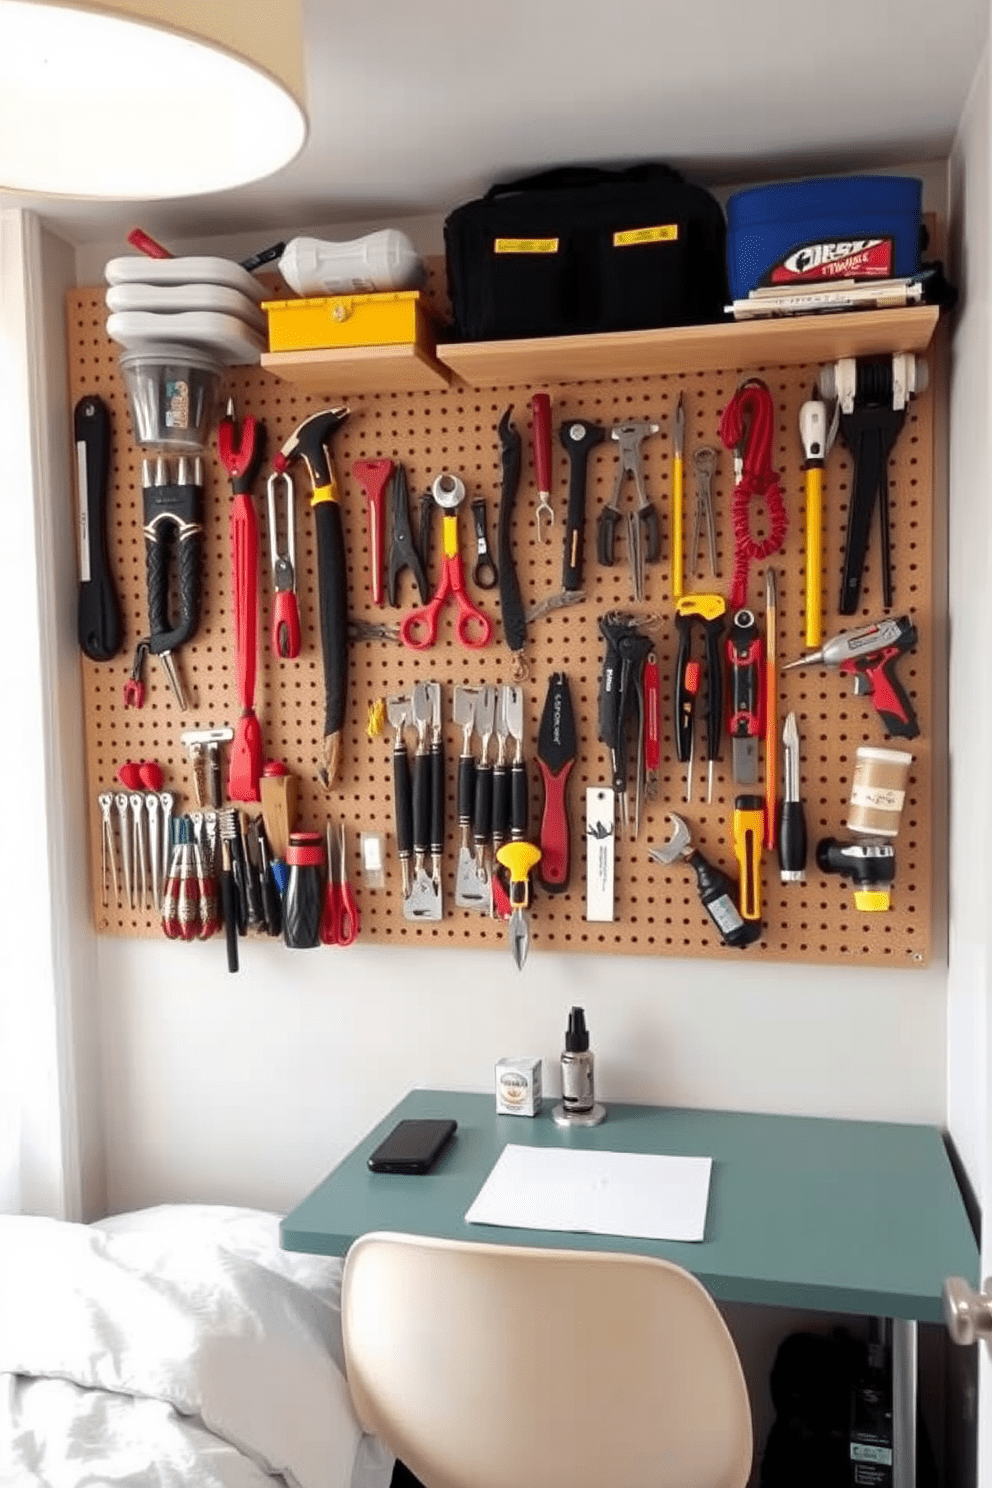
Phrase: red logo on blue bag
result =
(835, 258)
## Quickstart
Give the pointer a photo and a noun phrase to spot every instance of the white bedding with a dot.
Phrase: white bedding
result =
(178, 1346)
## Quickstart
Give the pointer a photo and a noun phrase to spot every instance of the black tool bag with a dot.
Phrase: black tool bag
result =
(581, 249)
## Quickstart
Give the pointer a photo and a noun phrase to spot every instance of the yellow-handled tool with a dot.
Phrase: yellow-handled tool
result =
(749, 828)
(813, 433)
(519, 858)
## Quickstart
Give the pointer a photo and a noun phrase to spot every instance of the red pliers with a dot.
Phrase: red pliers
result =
(285, 609)
(340, 923)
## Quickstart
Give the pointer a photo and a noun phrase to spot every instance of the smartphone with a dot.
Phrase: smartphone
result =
(413, 1146)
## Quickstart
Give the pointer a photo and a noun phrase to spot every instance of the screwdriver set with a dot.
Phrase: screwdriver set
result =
(492, 734)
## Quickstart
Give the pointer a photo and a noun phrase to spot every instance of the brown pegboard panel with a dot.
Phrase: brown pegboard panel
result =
(657, 910)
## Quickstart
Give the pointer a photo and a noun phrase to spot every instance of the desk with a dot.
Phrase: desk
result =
(859, 1217)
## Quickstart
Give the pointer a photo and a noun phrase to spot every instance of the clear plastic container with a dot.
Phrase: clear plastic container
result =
(172, 391)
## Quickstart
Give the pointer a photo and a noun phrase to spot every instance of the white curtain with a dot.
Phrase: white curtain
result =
(43, 856)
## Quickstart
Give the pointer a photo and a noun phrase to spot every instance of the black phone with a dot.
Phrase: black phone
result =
(413, 1146)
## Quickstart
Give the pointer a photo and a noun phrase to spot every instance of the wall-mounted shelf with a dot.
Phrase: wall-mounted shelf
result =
(360, 369)
(710, 348)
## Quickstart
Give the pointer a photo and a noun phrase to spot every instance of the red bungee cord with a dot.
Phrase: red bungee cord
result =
(752, 406)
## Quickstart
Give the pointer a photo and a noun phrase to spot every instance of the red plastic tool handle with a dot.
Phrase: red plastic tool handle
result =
(540, 407)
(374, 476)
(286, 640)
(244, 588)
(652, 714)
(555, 833)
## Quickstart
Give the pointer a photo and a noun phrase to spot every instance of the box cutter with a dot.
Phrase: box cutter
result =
(556, 751)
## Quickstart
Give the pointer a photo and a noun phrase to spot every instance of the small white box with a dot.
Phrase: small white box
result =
(518, 1087)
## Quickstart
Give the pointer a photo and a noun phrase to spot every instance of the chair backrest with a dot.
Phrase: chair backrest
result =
(494, 1366)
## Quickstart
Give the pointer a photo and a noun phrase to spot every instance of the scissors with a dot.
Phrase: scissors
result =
(418, 629)
(339, 923)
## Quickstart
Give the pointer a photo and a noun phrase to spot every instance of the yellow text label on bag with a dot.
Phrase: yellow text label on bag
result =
(666, 234)
(525, 245)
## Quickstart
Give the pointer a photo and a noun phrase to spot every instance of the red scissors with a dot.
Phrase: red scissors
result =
(339, 923)
(418, 629)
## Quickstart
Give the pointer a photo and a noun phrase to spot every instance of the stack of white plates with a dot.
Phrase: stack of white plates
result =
(208, 303)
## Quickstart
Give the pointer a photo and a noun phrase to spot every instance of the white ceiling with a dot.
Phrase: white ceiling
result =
(416, 107)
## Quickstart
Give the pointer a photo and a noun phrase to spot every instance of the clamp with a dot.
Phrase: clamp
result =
(872, 395)
(173, 517)
(403, 551)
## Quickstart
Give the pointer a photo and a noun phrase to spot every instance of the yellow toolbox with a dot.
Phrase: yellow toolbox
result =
(398, 319)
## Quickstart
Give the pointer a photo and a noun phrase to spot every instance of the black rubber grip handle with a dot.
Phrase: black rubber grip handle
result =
(229, 914)
(402, 802)
(240, 885)
(501, 805)
(332, 577)
(714, 686)
(648, 518)
(466, 789)
(482, 820)
(421, 802)
(792, 841)
(98, 615)
(303, 908)
(587, 437)
(271, 904)
(437, 799)
(511, 604)
(253, 894)
(519, 801)
(606, 532)
(682, 698)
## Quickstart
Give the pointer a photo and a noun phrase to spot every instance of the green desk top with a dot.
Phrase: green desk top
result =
(845, 1216)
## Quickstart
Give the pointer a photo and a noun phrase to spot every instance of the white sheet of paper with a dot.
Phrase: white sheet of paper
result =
(642, 1195)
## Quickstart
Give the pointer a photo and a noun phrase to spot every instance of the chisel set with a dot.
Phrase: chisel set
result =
(618, 728)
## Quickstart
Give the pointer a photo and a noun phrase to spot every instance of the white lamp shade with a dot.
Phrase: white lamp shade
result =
(144, 99)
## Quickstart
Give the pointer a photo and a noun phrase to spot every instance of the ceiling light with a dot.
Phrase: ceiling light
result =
(140, 99)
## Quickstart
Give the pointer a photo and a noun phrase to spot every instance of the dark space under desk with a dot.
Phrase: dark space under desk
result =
(858, 1217)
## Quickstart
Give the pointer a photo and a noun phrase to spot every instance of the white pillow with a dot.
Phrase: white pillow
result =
(253, 1235)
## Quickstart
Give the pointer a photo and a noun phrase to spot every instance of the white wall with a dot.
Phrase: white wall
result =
(251, 1087)
(970, 548)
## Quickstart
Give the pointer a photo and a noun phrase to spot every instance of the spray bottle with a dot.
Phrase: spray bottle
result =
(578, 1105)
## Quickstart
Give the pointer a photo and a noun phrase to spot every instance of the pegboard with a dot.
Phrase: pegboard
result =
(657, 912)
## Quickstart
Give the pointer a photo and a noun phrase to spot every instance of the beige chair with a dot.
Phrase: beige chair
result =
(495, 1366)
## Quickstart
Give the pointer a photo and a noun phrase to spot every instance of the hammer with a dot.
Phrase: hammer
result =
(309, 443)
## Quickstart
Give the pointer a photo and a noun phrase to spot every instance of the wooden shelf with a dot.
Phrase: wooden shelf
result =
(712, 348)
(359, 369)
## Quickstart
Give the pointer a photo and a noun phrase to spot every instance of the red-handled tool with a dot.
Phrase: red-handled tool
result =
(339, 924)
(652, 726)
(745, 661)
(374, 476)
(241, 456)
(540, 407)
(556, 751)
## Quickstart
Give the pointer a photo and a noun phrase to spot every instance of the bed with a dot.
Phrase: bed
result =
(174, 1346)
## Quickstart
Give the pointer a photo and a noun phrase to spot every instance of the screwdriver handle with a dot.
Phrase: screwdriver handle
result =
(482, 821)
(540, 407)
(437, 800)
(500, 804)
(402, 802)
(519, 801)
(466, 789)
(792, 843)
(556, 837)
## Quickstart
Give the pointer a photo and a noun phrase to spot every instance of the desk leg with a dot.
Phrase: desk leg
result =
(904, 1376)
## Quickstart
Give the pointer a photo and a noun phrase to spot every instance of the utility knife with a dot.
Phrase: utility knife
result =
(556, 751)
